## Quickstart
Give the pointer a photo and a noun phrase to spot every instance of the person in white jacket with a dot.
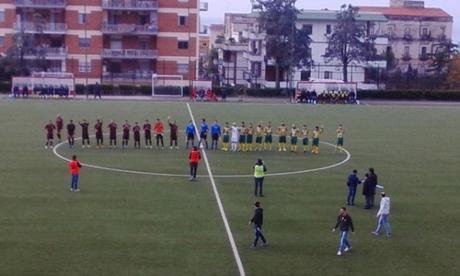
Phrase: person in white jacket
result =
(382, 215)
(235, 135)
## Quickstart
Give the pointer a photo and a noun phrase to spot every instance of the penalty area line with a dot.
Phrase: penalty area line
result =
(236, 254)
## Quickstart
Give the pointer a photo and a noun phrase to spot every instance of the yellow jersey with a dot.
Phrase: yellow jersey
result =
(259, 131)
(340, 132)
(282, 130)
(295, 132)
(304, 132)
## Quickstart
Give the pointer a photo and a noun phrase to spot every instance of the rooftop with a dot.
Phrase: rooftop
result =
(331, 15)
(408, 12)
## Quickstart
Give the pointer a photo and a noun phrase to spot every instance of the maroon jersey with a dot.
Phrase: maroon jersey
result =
(50, 130)
(98, 128)
(173, 130)
(59, 123)
(137, 132)
(113, 129)
(126, 128)
(71, 129)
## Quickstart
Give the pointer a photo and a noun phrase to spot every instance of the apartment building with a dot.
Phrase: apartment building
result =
(414, 31)
(109, 41)
(243, 60)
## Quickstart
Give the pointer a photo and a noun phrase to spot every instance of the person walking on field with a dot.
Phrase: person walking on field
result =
(257, 221)
(259, 173)
(369, 187)
(194, 158)
(74, 166)
(352, 184)
(382, 215)
(344, 223)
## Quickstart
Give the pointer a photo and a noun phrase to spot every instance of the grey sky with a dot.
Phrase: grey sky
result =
(217, 8)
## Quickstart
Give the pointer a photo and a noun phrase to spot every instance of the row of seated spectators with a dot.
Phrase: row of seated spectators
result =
(203, 95)
(326, 97)
(45, 91)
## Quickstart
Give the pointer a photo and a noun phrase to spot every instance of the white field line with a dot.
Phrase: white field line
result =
(348, 157)
(219, 203)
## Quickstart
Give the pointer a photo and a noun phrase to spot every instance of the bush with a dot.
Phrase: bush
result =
(416, 95)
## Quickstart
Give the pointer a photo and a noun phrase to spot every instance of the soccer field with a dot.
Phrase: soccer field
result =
(142, 224)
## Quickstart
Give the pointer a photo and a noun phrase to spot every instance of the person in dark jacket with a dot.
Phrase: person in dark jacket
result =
(369, 187)
(344, 223)
(97, 91)
(373, 181)
(257, 221)
(352, 184)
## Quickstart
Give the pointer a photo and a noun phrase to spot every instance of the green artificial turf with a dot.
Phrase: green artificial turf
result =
(126, 224)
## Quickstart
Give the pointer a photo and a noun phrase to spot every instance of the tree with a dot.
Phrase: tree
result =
(23, 44)
(287, 45)
(443, 55)
(349, 41)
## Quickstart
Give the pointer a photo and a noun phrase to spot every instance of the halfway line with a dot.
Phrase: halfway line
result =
(219, 203)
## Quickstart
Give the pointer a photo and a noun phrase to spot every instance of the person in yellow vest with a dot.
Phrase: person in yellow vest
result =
(225, 137)
(294, 136)
(282, 132)
(259, 173)
(250, 137)
(259, 134)
(340, 131)
(305, 141)
(268, 139)
(316, 135)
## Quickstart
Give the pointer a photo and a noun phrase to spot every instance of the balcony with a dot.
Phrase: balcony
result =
(129, 5)
(41, 4)
(253, 56)
(424, 57)
(129, 53)
(47, 28)
(426, 37)
(48, 53)
(129, 29)
(406, 57)
(135, 77)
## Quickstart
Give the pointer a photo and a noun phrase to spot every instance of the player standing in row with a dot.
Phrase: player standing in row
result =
(126, 129)
(190, 133)
(172, 133)
(340, 131)
(305, 141)
(112, 134)
(59, 126)
(84, 133)
(295, 132)
(249, 137)
(259, 133)
(137, 135)
(71, 133)
(147, 134)
(225, 137)
(242, 140)
(204, 128)
(159, 130)
(235, 137)
(215, 135)
(50, 127)
(268, 137)
(282, 132)
(99, 134)
(315, 144)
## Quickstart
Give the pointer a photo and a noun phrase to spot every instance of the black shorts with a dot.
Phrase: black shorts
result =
(148, 136)
(113, 137)
(99, 136)
(173, 137)
(85, 137)
(215, 137)
(190, 137)
(50, 136)
(204, 135)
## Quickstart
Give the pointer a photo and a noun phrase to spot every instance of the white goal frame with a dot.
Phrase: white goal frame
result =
(180, 78)
(325, 86)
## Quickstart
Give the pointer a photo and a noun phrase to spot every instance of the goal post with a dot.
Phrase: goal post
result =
(168, 85)
(40, 80)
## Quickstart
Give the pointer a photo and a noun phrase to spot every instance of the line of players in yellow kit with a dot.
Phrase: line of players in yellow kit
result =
(264, 137)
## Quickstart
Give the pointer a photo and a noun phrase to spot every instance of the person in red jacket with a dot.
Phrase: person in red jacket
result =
(159, 130)
(194, 158)
(74, 166)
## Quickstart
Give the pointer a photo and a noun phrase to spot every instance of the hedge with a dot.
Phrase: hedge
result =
(414, 95)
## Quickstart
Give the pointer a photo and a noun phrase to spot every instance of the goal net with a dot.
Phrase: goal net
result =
(326, 86)
(168, 85)
(45, 84)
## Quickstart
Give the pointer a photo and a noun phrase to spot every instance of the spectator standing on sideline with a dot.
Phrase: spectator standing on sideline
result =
(97, 91)
(259, 173)
(159, 130)
(75, 167)
(344, 223)
(257, 221)
(352, 184)
(382, 215)
(194, 158)
(215, 134)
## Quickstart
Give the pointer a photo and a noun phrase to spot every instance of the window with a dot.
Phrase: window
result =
(424, 51)
(308, 28)
(82, 18)
(182, 20)
(2, 15)
(328, 29)
(406, 50)
(327, 75)
(305, 75)
(2, 41)
(443, 30)
(182, 68)
(182, 44)
(143, 44)
(84, 42)
(425, 31)
(84, 66)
